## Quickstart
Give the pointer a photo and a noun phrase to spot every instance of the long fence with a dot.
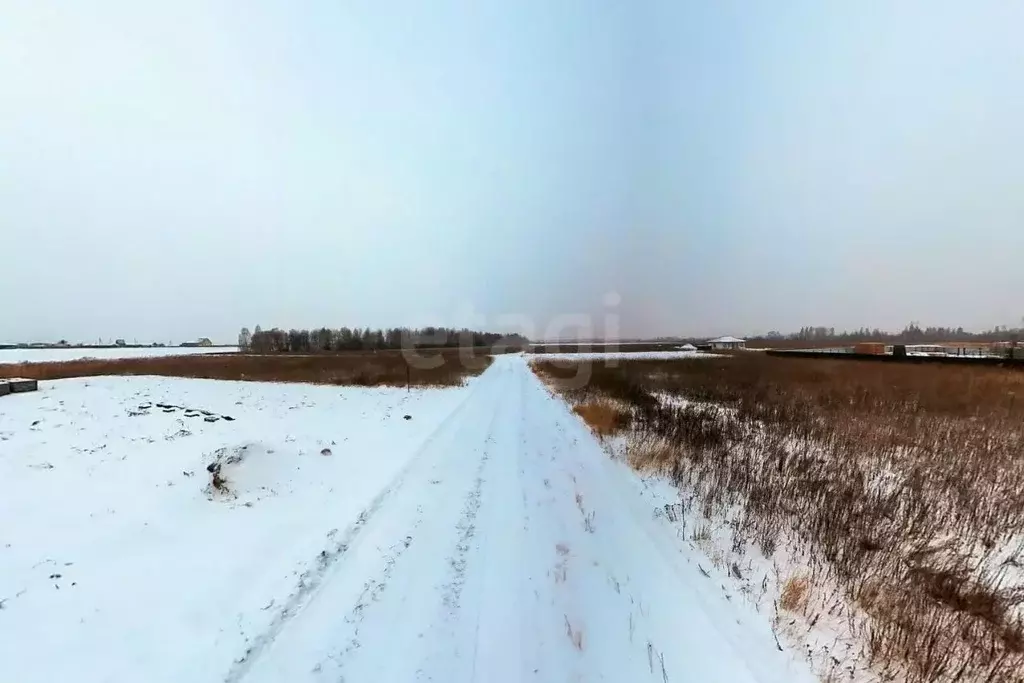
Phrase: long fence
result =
(889, 358)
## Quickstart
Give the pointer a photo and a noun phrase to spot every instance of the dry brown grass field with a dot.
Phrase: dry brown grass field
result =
(387, 368)
(902, 485)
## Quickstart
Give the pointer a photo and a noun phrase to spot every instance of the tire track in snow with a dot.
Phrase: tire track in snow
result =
(487, 629)
(372, 590)
(445, 594)
(467, 530)
(504, 580)
(562, 554)
(451, 591)
(312, 579)
(467, 523)
(309, 583)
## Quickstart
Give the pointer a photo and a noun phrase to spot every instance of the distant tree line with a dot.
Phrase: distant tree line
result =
(325, 339)
(911, 334)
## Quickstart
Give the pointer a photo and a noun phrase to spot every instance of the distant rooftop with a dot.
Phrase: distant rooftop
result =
(727, 340)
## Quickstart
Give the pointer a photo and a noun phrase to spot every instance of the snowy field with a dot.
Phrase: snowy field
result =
(58, 355)
(623, 355)
(570, 342)
(488, 537)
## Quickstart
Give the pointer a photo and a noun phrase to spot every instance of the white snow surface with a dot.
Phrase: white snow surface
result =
(488, 538)
(74, 353)
(623, 355)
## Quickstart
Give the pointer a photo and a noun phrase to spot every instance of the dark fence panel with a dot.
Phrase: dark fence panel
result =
(888, 358)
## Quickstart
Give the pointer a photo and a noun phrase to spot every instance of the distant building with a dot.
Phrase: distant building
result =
(120, 342)
(687, 347)
(203, 341)
(727, 343)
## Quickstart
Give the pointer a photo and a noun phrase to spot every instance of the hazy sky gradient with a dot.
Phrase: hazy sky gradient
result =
(727, 167)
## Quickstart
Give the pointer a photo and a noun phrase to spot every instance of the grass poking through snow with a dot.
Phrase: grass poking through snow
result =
(902, 485)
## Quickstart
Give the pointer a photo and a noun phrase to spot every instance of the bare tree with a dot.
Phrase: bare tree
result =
(244, 340)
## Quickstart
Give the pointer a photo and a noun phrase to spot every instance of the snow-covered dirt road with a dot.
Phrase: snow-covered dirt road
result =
(488, 539)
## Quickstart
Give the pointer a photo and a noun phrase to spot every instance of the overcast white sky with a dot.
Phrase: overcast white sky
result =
(176, 170)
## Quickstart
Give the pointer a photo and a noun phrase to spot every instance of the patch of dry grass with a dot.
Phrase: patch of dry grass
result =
(656, 457)
(603, 417)
(382, 368)
(794, 594)
(903, 485)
